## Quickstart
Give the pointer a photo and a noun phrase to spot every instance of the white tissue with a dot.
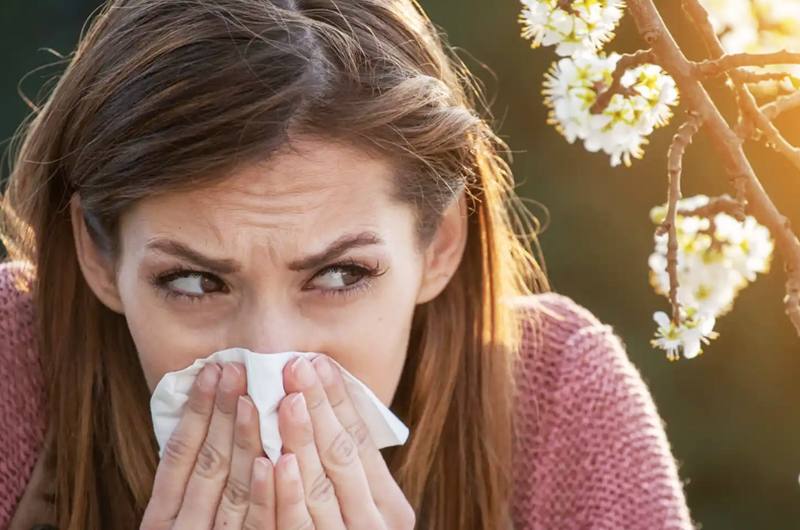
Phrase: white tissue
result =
(265, 387)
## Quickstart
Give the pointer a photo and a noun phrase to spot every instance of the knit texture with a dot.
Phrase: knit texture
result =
(590, 452)
(23, 401)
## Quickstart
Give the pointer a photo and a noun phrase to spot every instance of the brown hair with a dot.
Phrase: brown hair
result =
(161, 94)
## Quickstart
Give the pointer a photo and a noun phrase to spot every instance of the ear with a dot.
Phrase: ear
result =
(444, 253)
(97, 268)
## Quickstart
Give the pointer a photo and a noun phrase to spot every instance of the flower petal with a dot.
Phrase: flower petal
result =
(662, 319)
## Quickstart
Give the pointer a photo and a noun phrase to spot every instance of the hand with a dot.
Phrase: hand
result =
(332, 475)
(213, 473)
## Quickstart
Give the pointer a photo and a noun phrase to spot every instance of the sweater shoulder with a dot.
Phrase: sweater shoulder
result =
(551, 323)
(590, 447)
(561, 341)
(23, 405)
(16, 307)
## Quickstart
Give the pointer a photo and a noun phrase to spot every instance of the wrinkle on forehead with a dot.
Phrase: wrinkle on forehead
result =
(294, 202)
(297, 182)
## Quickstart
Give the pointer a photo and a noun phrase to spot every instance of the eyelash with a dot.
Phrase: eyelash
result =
(369, 273)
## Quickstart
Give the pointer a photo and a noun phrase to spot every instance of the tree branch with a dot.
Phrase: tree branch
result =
(759, 77)
(781, 104)
(747, 103)
(724, 63)
(625, 63)
(652, 28)
(765, 125)
(717, 205)
(699, 16)
(674, 167)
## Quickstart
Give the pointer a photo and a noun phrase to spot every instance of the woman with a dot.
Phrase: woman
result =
(296, 175)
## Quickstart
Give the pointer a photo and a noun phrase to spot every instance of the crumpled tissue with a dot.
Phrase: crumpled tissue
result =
(265, 387)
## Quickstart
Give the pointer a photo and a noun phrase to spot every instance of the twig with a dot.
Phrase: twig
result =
(671, 58)
(781, 104)
(625, 63)
(745, 128)
(717, 205)
(724, 63)
(566, 5)
(740, 185)
(747, 103)
(791, 302)
(759, 77)
(674, 167)
(773, 135)
(699, 16)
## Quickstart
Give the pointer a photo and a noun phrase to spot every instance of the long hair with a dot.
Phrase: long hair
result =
(166, 94)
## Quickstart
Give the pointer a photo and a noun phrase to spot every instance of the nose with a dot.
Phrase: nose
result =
(275, 330)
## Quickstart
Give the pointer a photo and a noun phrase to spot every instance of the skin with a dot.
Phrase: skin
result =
(248, 262)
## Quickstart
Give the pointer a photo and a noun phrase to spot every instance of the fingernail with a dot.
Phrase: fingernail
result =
(230, 376)
(208, 378)
(292, 471)
(299, 409)
(303, 372)
(261, 469)
(324, 370)
(244, 411)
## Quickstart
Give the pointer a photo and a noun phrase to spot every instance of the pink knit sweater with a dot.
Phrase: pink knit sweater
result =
(591, 453)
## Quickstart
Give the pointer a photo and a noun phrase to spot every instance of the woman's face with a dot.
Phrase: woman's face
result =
(309, 252)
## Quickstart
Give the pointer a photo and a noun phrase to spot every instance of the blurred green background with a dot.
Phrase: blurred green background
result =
(732, 414)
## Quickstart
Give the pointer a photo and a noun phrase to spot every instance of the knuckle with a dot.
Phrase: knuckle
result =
(243, 441)
(360, 434)
(200, 402)
(237, 493)
(303, 436)
(342, 451)
(321, 491)
(337, 399)
(314, 403)
(211, 462)
(178, 448)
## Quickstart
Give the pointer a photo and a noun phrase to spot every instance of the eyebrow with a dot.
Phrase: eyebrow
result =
(336, 249)
(227, 266)
(179, 250)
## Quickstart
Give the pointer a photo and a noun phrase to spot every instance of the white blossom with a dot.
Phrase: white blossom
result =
(716, 259)
(687, 338)
(571, 26)
(620, 129)
(749, 244)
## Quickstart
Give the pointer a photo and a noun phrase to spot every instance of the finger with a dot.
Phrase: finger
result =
(298, 440)
(292, 511)
(180, 452)
(211, 469)
(262, 512)
(387, 494)
(337, 450)
(246, 448)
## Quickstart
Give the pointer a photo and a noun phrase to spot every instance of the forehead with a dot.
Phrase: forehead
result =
(314, 188)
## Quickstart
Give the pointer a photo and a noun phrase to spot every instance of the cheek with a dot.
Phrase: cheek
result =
(379, 333)
(375, 349)
(163, 345)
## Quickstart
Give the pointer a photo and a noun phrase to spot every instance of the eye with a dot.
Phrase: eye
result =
(338, 277)
(190, 283)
